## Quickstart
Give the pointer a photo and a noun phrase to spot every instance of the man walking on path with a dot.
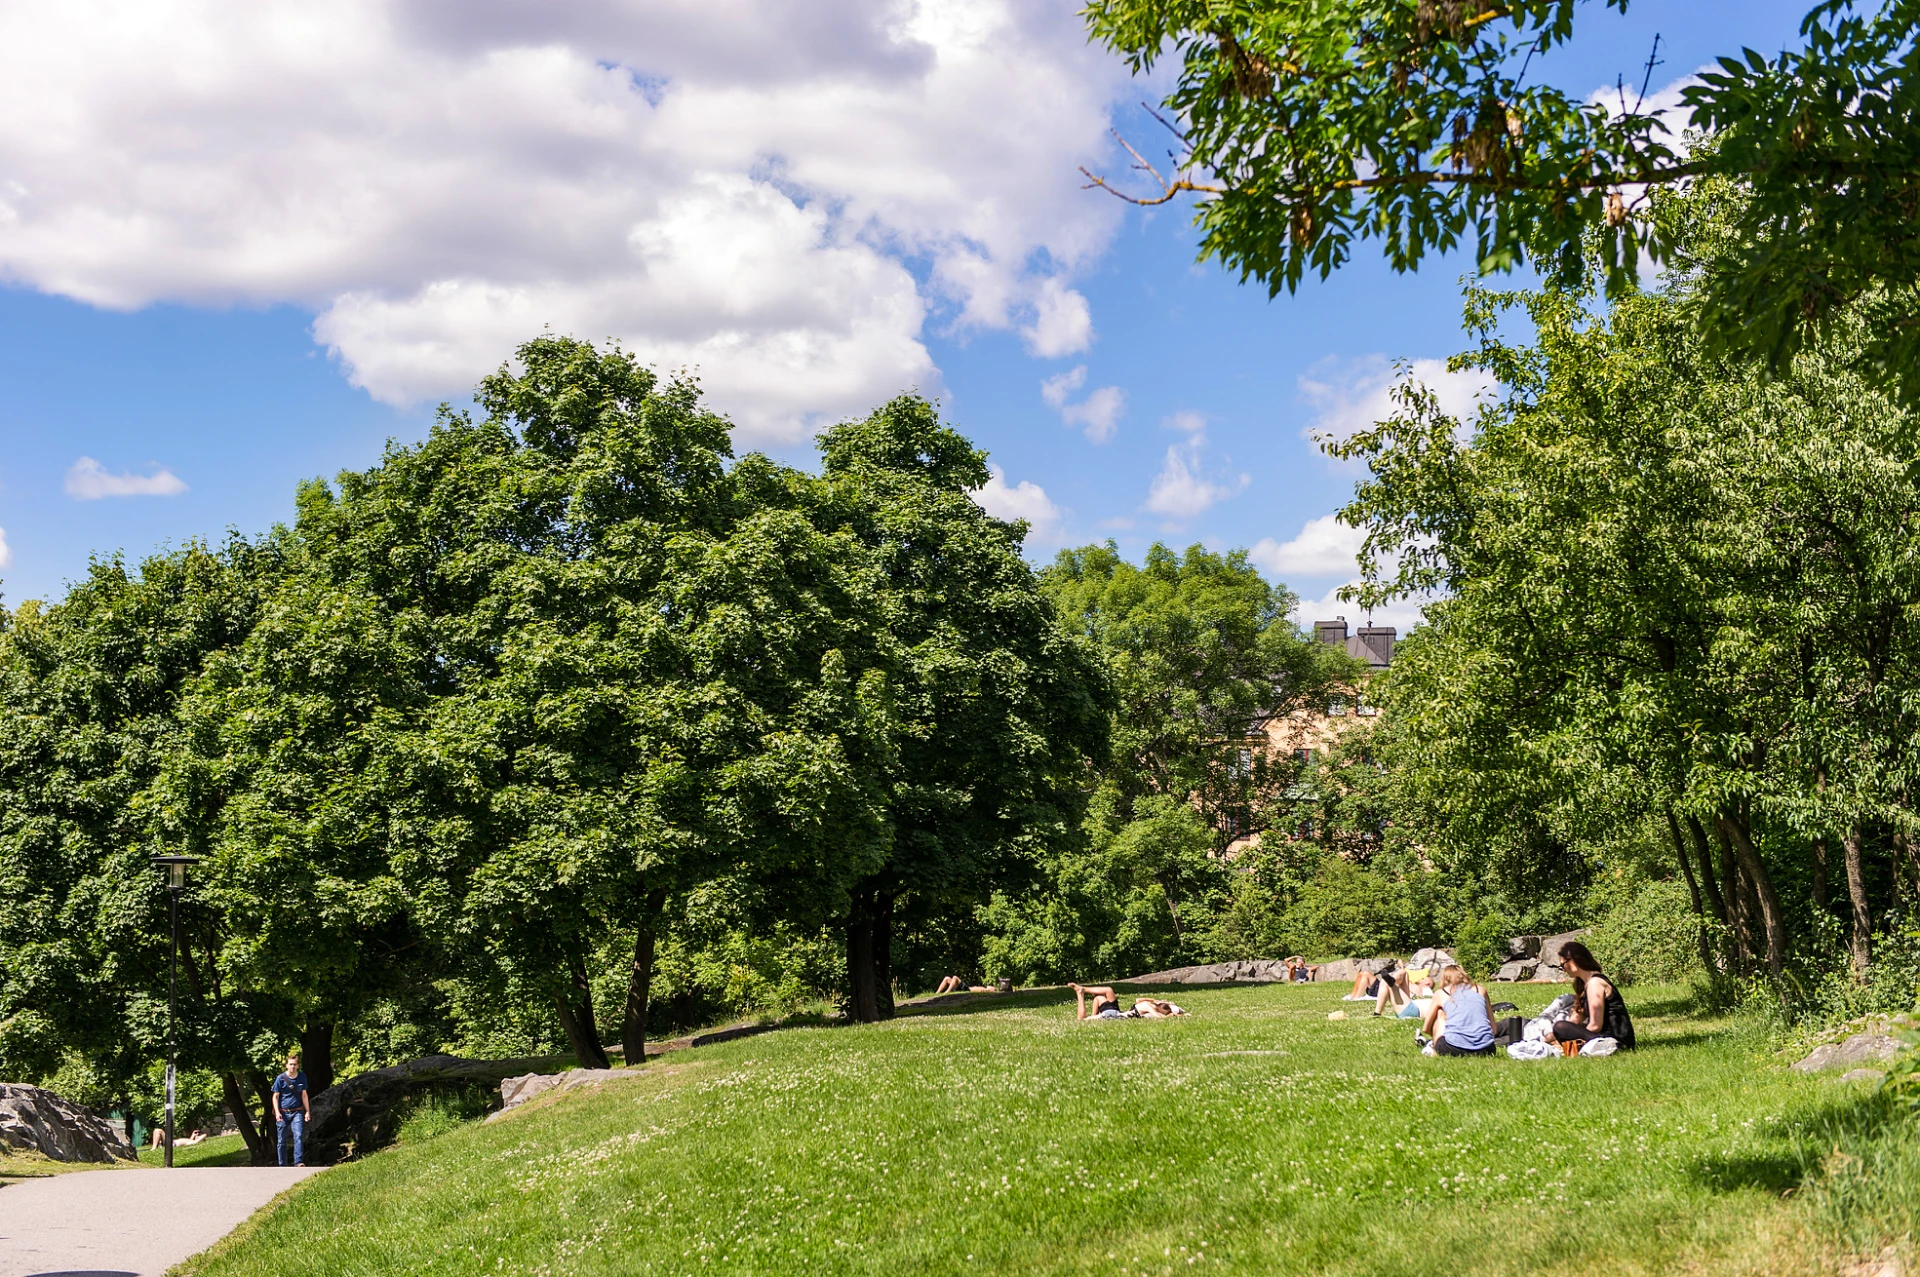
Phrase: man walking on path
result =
(292, 1111)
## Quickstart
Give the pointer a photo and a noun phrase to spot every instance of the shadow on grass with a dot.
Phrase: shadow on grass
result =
(1808, 1134)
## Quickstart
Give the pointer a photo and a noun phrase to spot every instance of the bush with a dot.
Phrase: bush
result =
(1648, 931)
(1481, 946)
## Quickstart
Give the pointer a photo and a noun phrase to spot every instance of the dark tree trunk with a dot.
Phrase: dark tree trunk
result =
(269, 1129)
(316, 1055)
(883, 954)
(1735, 902)
(1862, 940)
(236, 1098)
(1820, 872)
(1771, 918)
(862, 999)
(1707, 880)
(633, 1019)
(1693, 891)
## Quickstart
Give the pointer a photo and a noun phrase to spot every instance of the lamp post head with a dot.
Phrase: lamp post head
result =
(176, 869)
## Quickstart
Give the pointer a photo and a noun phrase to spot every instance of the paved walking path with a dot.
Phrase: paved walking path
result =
(128, 1223)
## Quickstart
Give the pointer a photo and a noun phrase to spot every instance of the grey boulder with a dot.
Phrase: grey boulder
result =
(1551, 946)
(515, 1091)
(37, 1121)
(1517, 970)
(1860, 1049)
(1252, 971)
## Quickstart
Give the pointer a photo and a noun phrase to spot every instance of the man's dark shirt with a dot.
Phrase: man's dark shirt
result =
(288, 1091)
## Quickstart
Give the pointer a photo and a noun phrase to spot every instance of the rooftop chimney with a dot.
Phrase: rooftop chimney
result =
(1374, 645)
(1334, 631)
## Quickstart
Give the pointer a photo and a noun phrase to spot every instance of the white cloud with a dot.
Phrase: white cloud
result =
(732, 184)
(1024, 500)
(6, 551)
(87, 480)
(1324, 546)
(1351, 395)
(1662, 103)
(1186, 421)
(1098, 415)
(1062, 324)
(1402, 614)
(1181, 491)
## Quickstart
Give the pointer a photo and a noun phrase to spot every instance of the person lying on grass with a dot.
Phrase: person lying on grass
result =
(1414, 985)
(954, 984)
(1459, 1022)
(1598, 1009)
(1366, 985)
(1106, 1005)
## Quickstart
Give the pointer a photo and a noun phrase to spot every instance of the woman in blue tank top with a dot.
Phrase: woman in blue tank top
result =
(1461, 1015)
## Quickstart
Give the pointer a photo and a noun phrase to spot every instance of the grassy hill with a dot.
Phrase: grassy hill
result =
(1254, 1137)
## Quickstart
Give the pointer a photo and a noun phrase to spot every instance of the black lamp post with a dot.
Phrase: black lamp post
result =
(176, 869)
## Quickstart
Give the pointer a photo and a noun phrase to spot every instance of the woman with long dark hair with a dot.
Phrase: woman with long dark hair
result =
(1598, 1009)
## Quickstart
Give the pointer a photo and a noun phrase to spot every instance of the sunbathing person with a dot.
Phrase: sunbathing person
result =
(1459, 1021)
(1106, 1003)
(1155, 1009)
(1598, 1010)
(1366, 985)
(1414, 985)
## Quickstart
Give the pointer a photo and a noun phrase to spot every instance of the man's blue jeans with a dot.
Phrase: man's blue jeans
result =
(295, 1125)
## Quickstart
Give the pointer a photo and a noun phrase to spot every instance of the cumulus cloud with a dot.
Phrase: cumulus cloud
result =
(1662, 103)
(735, 186)
(1181, 490)
(1098, 415)
(1024, 500)
(1324, 546)
(1351, 395)
(1062, 323)
(88, 480)
(1186, 421)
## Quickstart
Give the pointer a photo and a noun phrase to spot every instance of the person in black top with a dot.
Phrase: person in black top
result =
(1598, 1009)
(292, 1111)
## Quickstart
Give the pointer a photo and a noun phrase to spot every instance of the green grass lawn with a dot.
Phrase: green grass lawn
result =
(219, 1150)
(1254, 1137)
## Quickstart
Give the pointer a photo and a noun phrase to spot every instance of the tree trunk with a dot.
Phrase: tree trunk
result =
(1735, 903)
(883, 954)
(862, 1002)
(1862, 944)
(269, 1129)
(236, 1098)
(1820, 872)
(1707, 881)
(1693, 891)
(575, 1004)
(633, 1021)
(1178, 939)
(316, 1055)
(1771, 918)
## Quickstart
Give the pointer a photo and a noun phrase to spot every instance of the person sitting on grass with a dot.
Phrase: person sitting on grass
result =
(1598, 1009)
(1298, 970)
(1459, 1021)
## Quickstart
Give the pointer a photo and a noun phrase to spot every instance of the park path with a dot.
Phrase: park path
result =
(128, 1223)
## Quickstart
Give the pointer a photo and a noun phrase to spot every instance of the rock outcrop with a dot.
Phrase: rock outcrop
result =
(1861, 1049)
(37, 1121)
(515, 1091)
(1517, 970)
(1550, 947)
(1251, 971)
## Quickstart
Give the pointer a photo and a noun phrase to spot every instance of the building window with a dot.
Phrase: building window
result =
(1337, 707)
(1303, 756)
(1242, 765)
(1367, 711)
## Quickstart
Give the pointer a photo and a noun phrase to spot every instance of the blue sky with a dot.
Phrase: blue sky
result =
(251, 257)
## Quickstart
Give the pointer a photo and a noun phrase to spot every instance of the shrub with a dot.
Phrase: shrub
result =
(1481, 946)
(1650, 932)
